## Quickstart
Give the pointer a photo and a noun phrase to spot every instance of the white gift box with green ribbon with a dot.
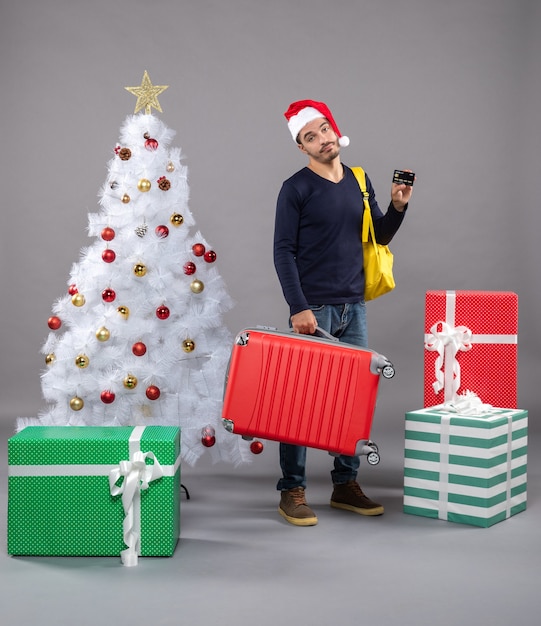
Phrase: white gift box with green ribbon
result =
(470, 469)
(94, 491)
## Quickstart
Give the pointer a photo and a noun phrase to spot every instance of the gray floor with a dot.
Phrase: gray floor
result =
(239, 563)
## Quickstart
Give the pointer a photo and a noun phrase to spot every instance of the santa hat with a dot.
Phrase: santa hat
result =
(302, 112)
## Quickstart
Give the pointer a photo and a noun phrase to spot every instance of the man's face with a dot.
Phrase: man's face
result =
(319, 141)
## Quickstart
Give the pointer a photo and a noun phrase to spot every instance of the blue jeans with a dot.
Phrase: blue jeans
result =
(346, 322)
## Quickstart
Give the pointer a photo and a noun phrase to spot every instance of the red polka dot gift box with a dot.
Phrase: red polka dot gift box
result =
(94, 491)
(471, 345)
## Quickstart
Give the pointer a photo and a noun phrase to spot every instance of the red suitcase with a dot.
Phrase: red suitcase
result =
(303, 389)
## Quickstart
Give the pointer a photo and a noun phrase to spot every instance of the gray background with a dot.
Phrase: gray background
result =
(448, 89)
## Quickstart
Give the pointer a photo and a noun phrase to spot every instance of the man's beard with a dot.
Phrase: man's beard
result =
(325, 156)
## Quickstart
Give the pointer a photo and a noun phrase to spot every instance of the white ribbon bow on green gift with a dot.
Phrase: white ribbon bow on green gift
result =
(136, 475)
(470, 404)
(447, 341)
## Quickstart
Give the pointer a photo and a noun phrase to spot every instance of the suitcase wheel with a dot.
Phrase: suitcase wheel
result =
(388, 371)
(373, 458)
(229, 425)
(242, 338)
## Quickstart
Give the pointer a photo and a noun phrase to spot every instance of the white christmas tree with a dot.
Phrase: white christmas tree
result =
(139, 337)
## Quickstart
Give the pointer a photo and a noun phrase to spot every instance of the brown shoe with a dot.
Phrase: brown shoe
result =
(294, 509)
(350, 497)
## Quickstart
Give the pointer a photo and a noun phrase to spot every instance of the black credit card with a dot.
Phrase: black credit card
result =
(403, 178)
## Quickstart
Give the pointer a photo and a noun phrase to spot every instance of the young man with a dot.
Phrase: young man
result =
(319, 261)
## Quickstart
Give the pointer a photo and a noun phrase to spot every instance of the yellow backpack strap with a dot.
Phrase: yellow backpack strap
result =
(368, 226)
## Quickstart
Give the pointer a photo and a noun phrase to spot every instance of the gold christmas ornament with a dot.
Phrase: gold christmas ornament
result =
(144, 185)
(170, 167)
(82, 361)
(176, 219)
(124, 311)
(130, 382)
(78, 299)
(197, 286)
(147, 95)
(50, 358)
(188, 345)
(126, 198)
(103, 334)
(76, 403)
(139, 269)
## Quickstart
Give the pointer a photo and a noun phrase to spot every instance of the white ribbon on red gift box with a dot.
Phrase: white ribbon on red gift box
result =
(447, 340)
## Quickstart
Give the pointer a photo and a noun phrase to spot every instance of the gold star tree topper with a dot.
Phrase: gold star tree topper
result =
(147, 95)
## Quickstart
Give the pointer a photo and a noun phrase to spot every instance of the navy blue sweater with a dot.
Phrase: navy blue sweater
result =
(318, 253)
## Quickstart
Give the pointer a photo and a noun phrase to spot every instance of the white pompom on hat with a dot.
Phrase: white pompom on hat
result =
(302, 112)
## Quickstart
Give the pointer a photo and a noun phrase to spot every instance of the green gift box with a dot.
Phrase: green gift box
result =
(465, 468)
(94, 491)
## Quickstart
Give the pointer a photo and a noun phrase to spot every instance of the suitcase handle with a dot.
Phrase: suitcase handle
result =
(325, 334)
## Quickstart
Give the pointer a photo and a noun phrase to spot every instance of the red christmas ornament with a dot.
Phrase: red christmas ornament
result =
(107, 397)
(54, 322)
(139, 348)
(151, 144)
(108, 295)
(152, 392)
(72, 290)
(108, 255)
(210, 256)
(162, 312)
(256, 447)
(208, 438)
(189, 268)
(107, 234)
(198, 249)
(162, 231)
